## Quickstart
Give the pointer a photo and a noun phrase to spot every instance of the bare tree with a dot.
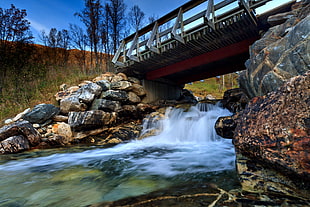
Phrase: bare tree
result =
(136, 17)
(79, 42)
(116, 11)
(90, 16)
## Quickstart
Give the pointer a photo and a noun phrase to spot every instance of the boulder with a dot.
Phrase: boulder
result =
(105, 76)
(119, 77)
(134, 80)
(41, 113)
(90, 119)
(235, 100)
(60, 118)
(275, 130)
(23, 128)
(133, 98)
(225, 127)
(88, 92)
(63, 130)
(187, 97)
(14, 144)
(104, 84)
(282, 53)
(121, 85)
(66, 93)
(106, 105)
(72, 103)
(114, 95)
(138, 89)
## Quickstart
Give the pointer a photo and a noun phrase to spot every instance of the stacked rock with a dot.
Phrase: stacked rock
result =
(89, 109)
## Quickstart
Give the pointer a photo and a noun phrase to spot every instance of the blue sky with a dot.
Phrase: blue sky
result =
(46, 14)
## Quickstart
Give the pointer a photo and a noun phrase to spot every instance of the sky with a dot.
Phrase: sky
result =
(47, 14)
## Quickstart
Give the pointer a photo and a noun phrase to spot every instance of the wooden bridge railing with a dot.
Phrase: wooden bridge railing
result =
(153, 38)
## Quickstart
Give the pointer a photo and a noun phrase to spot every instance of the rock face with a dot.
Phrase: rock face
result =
(282, 53)
(275, 130)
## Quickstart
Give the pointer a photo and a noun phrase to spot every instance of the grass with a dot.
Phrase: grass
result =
(213, 86)
(29, 90)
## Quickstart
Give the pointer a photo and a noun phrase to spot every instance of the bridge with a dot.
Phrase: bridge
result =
(198, 40)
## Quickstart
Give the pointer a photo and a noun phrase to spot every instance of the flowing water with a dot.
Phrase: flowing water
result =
(186, 151)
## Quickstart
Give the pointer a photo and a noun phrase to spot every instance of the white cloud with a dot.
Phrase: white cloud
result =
(37, 26)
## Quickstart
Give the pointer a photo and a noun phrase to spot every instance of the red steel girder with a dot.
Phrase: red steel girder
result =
(206, 58)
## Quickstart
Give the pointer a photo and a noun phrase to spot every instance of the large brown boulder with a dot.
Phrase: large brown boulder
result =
(275, 130)
(282, 53)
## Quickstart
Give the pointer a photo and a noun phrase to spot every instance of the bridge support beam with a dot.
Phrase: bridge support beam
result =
(206, 58)
(161, 91)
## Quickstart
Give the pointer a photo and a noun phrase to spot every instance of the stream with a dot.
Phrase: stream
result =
(186, 151)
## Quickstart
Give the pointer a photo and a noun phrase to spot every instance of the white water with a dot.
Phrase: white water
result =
(186, 147)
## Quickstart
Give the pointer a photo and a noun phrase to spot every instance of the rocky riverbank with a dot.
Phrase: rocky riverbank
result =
(271, 134)
(106, 110)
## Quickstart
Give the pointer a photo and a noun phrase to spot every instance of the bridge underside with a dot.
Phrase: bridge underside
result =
(206, 53)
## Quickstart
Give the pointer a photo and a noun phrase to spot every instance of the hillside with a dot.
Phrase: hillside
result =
(213, 86)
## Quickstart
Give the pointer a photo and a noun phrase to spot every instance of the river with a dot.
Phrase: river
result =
(186, 151)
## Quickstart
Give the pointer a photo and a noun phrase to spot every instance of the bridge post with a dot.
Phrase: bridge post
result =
(178, 23)
(135, 44)
(154, 35)
(209, 17)
(118, 53)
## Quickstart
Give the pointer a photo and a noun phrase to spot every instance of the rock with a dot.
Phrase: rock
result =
(86, 82)
(282, 53)
(36, 126)
(134, 80)
(106, 76)
(106, 105)
(256, 178)
(133, 98)
(21, 115)
(87, 93)
(235, 100)
(145, 109)
(41, 113)
(104, 84)
(122, 133)
(121, 85)
(119, 77)
(138, 89)
(90, 119)
(280, 18)
(187, 97)
(129, 111)
(225, 126)
(67, 93)
(23, 128)
(87, 133)
(63, 87)
(57, 140)
(113, 95)
(14, 144)
(275, 130)
(63, 130)
(72, 104)
(60, 118)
